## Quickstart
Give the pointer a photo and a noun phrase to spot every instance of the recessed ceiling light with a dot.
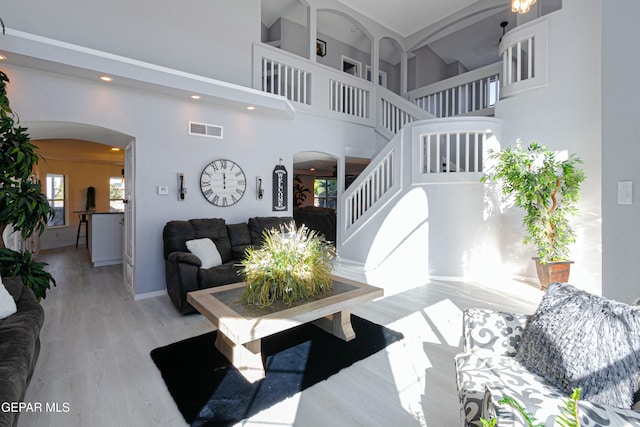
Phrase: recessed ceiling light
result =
(251, 108)
(195, 96)
(115, 149)
(312, 169)
(106, 78)
(2, 57)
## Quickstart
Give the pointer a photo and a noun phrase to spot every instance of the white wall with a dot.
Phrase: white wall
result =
(210, 38)
(564, 115)
(621, 151)
(163, 148)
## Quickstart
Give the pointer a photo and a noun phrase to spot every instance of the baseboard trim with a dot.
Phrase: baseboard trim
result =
(150, 295)
(449, 278)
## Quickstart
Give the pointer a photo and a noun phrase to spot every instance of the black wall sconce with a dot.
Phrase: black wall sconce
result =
(259, 190)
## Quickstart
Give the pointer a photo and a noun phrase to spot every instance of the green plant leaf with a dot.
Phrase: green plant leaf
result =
(546, 188)
(569, 416)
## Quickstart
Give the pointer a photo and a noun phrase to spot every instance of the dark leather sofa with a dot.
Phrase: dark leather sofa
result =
(182, 268)
(322, 220)
(19, 347)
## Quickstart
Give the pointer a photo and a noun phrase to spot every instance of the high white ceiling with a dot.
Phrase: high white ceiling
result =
(405, 17)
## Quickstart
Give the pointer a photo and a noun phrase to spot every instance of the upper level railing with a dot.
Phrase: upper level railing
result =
(326, 91)
(524, 57)
(474, 92)
(281, 79)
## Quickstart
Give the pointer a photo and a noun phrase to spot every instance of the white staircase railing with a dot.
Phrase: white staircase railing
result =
(474, 92)
(447, 152)
(524, 57)
(424, 153)
(363, 196)
(396, 112)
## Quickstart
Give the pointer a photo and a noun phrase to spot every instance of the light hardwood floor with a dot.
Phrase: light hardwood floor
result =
(96, 342)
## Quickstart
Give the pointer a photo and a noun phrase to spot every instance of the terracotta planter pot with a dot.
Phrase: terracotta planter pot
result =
(552, 272)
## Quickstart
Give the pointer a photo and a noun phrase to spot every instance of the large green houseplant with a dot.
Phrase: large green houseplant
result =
(547, 187)
(22, 204)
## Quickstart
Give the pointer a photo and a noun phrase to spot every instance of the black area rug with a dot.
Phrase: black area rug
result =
(209, 391)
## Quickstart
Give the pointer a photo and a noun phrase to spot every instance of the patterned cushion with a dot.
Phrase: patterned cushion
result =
(493, 331)
(576, 339)
(475, 371)
(546, 409)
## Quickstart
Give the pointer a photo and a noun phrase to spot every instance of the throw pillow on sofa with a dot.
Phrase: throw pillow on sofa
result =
(206, 250)
(576, 339)
(7, 303)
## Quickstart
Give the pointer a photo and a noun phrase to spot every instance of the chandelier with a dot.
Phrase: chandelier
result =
(521, 6)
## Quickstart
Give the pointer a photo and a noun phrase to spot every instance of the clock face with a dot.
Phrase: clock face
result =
(223, 182)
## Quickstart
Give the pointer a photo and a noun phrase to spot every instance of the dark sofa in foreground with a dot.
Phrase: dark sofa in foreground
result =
(19, 347)
(183, 269)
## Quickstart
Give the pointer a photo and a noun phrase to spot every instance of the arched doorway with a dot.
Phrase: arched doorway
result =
(82, 147)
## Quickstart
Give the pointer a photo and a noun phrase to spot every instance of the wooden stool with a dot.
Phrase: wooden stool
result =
(83, 220)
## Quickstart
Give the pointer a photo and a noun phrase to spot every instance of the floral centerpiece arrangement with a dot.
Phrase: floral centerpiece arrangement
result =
(293, 264)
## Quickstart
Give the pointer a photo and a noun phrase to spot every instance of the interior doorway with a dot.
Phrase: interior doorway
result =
(319, 179)
(81, 150)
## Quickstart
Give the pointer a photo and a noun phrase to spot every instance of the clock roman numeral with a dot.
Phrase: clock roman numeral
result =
(215, 199)
(224, 201)
(223, 164)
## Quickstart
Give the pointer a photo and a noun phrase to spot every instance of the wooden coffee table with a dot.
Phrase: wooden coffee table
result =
(241, 327)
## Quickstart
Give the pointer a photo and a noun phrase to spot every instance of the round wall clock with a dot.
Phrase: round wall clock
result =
(223, 182)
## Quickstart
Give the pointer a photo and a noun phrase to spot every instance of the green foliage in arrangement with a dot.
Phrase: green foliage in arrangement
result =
(32, 273)
(568, 412)
(293, 264)
(22, 203)
(547, 188)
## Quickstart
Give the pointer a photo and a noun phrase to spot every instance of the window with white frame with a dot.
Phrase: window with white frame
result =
(116, 194)
(56, 196)
(325, 193)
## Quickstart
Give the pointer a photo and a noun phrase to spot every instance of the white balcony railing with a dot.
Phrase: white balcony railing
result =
(452, 150)
(349, 99)
(524, 57)
(352, 99)
(472, 92)
(281, 79)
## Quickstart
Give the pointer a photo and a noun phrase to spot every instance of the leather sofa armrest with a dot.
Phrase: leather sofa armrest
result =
(182, 277)
(184, 257)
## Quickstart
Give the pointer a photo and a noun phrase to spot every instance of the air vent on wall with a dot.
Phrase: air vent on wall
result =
(203, 129)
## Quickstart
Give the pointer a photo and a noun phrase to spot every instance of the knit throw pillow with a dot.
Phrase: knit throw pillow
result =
(576, 339)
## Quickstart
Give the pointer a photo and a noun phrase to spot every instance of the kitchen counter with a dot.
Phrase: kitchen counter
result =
(106, 237)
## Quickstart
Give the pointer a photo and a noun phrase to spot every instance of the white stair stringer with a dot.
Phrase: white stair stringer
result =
(401, 216)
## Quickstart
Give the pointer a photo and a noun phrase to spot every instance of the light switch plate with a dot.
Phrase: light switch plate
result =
(163, 190)
(625, 192)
